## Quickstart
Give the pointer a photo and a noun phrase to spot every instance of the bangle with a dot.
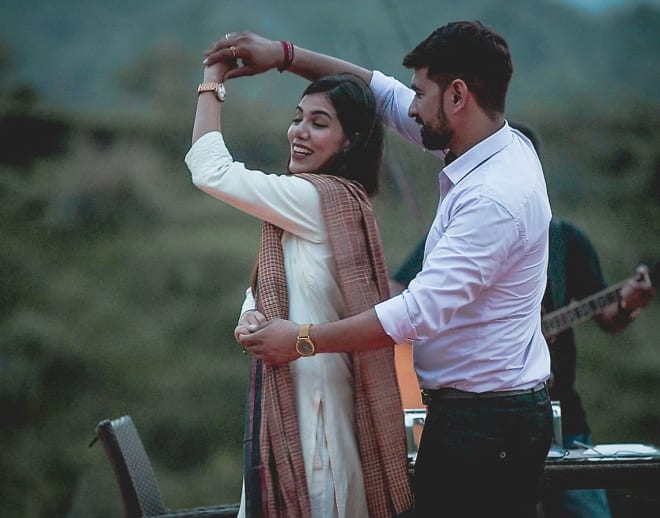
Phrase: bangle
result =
(287, 46)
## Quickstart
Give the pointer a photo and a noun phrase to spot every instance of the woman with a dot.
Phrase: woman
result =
(324, 435)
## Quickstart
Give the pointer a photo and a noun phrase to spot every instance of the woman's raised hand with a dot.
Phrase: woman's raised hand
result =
(253, 53)
(217, 71)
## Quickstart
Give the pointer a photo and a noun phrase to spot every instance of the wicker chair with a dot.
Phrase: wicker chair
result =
(136, 479)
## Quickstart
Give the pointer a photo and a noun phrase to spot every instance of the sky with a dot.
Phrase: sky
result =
(601, 5)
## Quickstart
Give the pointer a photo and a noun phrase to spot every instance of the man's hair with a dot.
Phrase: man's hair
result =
(357, 112)
(469, 51)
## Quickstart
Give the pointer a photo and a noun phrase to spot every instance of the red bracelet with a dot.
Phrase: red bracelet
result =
(287, 46)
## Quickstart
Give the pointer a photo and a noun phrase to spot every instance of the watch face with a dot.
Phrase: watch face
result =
(220, 92)
(304, 347)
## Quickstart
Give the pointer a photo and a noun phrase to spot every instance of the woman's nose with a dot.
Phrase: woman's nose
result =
(300, 130)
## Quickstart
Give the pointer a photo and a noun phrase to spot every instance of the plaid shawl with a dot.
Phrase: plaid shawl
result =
(274, 471)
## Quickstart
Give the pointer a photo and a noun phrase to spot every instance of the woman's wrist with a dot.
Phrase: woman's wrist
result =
(216, 72)
(212, 77)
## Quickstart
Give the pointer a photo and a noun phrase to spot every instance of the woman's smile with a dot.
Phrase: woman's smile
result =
(315, 135)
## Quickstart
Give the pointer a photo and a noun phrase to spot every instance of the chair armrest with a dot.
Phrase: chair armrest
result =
(217, 511)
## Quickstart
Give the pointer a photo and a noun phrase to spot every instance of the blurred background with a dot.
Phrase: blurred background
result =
(120, 283)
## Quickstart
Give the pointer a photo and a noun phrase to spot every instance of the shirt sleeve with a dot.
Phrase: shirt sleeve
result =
(290, 203)
(466, 260)
(394, 98)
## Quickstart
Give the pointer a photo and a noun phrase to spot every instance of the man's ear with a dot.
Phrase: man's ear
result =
(459, 91)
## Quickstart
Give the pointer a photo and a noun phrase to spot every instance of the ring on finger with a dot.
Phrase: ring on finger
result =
(233, 50)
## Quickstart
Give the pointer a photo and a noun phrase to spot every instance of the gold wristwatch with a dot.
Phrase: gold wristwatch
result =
(304, 345)
(215, 87)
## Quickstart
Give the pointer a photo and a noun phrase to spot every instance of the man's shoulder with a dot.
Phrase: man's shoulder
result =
(512, 184)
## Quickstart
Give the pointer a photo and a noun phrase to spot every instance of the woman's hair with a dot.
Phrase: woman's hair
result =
(358, 115)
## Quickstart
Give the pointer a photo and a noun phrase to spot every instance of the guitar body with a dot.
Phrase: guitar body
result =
(406, 376)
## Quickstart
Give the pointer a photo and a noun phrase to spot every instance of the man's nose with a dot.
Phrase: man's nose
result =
(412, 111)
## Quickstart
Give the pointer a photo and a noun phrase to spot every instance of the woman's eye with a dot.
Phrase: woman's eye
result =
(296, 120)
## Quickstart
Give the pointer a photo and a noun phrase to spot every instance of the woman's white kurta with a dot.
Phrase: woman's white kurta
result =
(323, 383)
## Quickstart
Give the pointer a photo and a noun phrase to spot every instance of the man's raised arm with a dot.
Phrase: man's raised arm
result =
(254, 54)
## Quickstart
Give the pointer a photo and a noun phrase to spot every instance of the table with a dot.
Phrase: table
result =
(608, 466)
(630, 472)
(632, 481)
(577, 471)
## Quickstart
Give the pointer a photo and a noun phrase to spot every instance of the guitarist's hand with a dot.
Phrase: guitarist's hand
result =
(637, 293)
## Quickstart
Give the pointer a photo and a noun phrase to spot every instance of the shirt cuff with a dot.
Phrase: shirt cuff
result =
(393, 316)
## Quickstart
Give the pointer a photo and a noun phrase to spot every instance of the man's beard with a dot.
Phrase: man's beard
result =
(438, 137)
(433, 139)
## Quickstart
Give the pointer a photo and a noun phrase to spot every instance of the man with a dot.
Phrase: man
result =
(574, 273)
(473, 312)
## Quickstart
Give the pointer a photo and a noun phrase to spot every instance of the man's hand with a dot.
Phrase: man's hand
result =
(638, 292)
(274, 342)
(635, 294)
(254, 53)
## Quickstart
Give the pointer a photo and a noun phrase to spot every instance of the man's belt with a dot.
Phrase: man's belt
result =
(430, 395)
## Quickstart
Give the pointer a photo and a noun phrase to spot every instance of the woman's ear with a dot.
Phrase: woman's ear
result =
(346, 145)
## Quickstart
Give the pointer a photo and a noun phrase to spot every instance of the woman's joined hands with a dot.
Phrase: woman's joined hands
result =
(249, 320)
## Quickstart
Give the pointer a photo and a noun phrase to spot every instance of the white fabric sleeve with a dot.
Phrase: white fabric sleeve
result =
(394, 98)
(249, 303)
(466, 260)
(290, 203)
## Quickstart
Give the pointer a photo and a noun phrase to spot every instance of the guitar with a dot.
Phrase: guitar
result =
(580, 311)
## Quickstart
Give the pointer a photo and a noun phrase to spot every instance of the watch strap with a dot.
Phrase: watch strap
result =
(304, 344)
(303, 332)
(218, 88)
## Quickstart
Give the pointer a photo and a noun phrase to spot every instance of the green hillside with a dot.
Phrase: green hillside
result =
(78, 52)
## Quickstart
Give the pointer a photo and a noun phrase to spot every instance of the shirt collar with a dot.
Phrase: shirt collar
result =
(478, 154)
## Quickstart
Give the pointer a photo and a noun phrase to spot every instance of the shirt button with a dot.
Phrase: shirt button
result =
(502, 455)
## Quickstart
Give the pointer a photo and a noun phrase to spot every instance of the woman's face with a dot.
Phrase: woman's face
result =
(315, 135)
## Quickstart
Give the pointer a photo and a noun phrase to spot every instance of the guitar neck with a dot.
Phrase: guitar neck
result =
(580, 311)
(562, 319)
